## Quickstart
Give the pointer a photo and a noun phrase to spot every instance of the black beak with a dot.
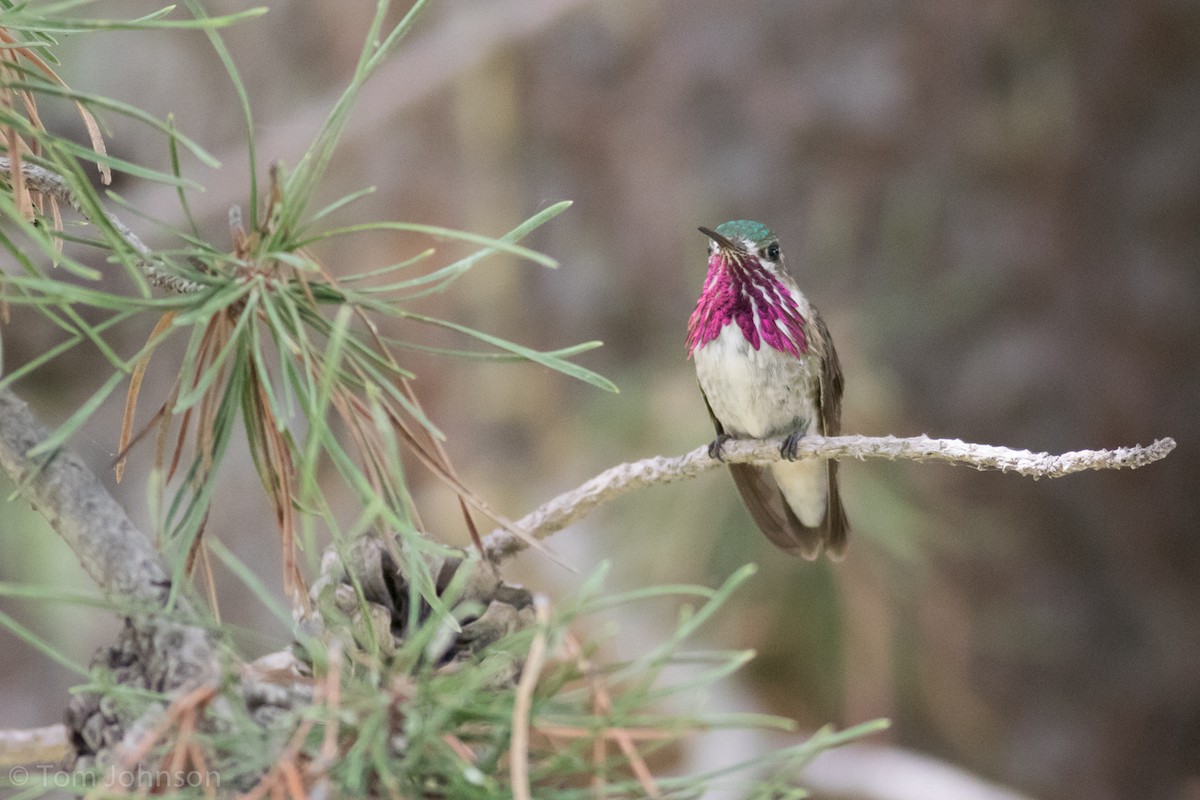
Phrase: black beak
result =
(721, 241)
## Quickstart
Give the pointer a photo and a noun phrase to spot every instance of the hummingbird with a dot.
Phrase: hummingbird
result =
(767, 368)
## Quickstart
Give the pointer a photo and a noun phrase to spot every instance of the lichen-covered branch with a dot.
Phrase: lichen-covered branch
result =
(45, 745)
(119, 558)
(51, 184)
(571, 506)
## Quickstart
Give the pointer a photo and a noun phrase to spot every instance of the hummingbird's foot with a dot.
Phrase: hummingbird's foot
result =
(788, 448)
(717, 445)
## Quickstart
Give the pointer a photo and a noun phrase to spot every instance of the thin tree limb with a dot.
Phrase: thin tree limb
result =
(475, 34)
(33, 745)
(119, 558)
(51, 184)
(886, 772)
(572, 506)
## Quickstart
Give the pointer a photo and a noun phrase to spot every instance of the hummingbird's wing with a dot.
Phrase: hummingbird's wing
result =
(772, 514)
(829, 405)
(831, 383)
(769, 508)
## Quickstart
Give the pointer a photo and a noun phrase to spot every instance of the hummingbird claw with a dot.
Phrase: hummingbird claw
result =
(788, 449)
(717, 445)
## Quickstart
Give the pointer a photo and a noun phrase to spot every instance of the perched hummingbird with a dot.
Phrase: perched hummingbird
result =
(767, 368)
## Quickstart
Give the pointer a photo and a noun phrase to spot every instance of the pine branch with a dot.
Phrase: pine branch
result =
(51, 184)
(119, 558)
(569, 507)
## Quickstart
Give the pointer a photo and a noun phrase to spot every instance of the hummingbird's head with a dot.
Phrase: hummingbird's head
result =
(748, 286)
(745, 241)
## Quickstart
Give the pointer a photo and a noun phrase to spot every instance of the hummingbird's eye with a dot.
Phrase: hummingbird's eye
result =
(772, 251)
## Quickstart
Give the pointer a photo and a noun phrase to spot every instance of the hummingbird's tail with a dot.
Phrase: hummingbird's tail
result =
(814, 486)
(837, 525)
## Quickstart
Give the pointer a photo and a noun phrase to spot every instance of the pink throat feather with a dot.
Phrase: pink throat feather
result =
(737, 290)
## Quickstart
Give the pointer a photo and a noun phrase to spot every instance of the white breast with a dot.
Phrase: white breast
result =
(757, 393)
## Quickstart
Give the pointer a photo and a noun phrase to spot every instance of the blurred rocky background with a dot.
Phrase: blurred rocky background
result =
(996, 207)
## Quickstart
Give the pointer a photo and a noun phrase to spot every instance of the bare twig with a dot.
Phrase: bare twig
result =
(572, 506)
(523, 703)
(886, 772)
(33, 746)
(119, 558)
(475, 34)
(50, 183)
